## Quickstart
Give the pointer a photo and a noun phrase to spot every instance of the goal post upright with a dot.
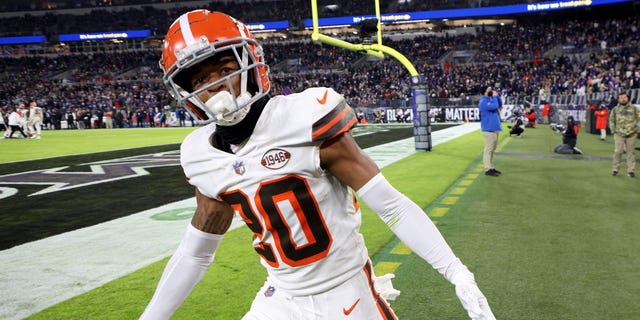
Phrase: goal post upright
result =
(421, 119)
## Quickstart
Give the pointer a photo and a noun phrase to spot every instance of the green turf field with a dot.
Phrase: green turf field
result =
(57, 143)
(554, 237)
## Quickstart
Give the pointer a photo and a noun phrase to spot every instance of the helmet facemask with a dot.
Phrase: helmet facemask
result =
(225, 107)
(200, 35)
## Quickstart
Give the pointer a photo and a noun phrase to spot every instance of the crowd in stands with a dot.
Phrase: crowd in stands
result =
(268, 9)
(594, 56)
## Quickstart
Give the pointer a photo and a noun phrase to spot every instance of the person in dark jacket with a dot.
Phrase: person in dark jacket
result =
(517, 128)
(570, 134)
(569, 138)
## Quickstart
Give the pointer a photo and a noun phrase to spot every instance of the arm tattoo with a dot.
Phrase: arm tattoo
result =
(213, 217)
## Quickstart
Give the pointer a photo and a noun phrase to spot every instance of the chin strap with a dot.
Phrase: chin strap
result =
(239, 132)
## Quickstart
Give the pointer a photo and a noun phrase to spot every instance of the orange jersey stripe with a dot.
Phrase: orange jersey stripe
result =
(341, 119)
(385, 310)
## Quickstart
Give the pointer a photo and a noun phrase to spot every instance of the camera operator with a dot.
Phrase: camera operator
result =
(490, 106)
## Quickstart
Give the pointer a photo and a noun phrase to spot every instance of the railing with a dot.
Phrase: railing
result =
(466, 109)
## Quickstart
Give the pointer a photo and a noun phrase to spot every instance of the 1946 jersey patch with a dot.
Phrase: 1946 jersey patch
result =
(275, 158)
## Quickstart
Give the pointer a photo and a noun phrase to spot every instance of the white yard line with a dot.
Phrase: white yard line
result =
(42, 273)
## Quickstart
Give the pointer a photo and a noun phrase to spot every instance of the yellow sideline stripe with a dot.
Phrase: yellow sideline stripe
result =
(384, 267)
(438, 212)
(401, 248)
(449, 200)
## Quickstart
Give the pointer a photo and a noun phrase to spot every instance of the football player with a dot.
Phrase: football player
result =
(288, 166)
(15, 122)
(35, 121)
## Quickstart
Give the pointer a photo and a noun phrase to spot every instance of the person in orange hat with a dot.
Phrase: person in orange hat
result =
(602, 119)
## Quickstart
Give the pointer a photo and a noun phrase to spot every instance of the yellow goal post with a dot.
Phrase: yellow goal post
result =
(421, 118)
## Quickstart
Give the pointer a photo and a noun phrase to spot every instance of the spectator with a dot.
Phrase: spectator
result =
(98, 118)
(118, 117)
(399, 115)
(517, 127)
(602, 117)
(530, 114)
(3, 125)
(569, 138)
(182, 116)
(108, 119)
(490, 105)
(624, 122)
(570, 134)
(407, 115)
(361, 117)
(546, 108)
(56, 118)
(71, 122)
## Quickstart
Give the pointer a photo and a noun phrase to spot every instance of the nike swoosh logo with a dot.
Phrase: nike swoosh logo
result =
(353, 306)
(324, 97)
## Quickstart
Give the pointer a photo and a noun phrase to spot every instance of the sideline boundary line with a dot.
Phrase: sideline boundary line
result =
(391, 257)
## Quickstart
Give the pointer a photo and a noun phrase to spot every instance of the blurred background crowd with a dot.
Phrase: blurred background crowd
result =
(582, 53)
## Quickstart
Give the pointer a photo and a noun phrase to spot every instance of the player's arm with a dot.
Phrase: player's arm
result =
(192, 258)
(343, 158)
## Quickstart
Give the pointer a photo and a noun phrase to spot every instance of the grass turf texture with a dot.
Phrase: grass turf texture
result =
(554, 237)
(551, 238)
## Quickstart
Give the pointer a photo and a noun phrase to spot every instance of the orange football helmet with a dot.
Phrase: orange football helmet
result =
(198, 35)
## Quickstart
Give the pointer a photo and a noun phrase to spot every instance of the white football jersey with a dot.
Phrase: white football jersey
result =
(306, 223)
(35, 112)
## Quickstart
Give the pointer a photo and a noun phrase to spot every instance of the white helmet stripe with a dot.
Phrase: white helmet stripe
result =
(245, 57)
(243, 77)
(186, 30)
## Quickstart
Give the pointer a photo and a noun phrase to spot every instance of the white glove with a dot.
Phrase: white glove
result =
(471, 297)
(385, 287)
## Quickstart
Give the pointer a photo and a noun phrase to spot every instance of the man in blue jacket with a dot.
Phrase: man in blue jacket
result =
(490, 106)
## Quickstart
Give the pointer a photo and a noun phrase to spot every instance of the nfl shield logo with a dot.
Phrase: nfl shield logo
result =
(269, 292)
(238, 167)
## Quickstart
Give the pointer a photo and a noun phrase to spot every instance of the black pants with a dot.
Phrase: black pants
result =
(516, 131)
(17, 128)
(571, 141)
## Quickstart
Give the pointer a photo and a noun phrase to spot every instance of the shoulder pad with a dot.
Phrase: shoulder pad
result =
(331, 113)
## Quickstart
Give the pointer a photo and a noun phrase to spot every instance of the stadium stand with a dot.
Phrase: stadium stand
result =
(591, 57)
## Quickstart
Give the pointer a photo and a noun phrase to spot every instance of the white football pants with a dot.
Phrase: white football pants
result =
(354, 299)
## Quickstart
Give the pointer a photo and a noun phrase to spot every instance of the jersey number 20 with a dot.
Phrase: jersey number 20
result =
(294, 190)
